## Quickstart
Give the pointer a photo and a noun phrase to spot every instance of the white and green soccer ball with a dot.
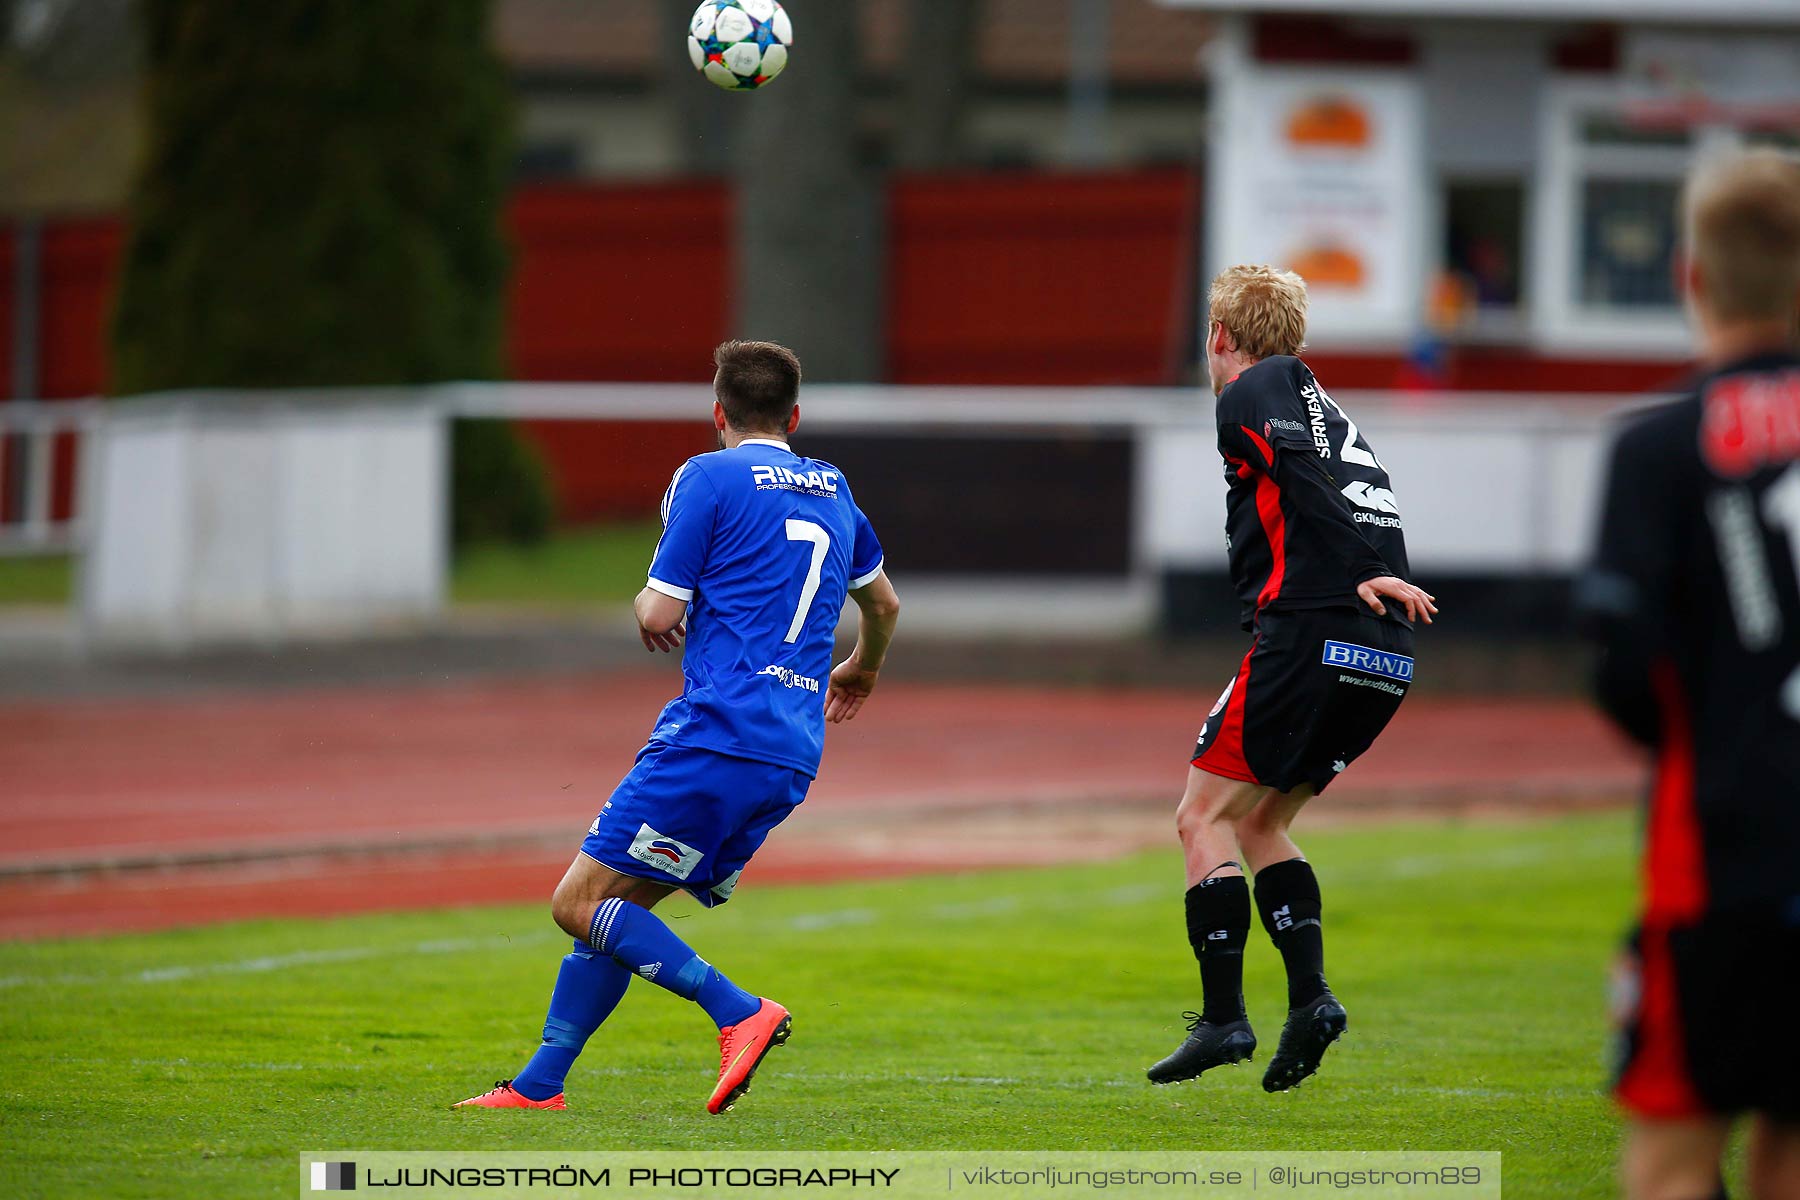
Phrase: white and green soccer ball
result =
(740, 44)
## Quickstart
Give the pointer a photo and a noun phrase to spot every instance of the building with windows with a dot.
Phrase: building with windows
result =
(1488, 186)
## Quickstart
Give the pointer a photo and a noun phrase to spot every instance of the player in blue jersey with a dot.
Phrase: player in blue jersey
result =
(759, 549)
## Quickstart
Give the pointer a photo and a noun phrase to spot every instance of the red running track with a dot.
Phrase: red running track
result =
(332, 801)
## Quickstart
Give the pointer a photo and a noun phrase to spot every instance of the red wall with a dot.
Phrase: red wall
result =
(619, 283)
(1040, 279)
(1033, 279)
(78, 265)
(78, 262)
(624, 283)
(992, 279)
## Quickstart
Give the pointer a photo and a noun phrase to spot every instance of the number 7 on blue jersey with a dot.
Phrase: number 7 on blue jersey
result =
(807, 531)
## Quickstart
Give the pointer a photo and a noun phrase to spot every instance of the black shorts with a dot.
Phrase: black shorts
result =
(1314, 692)
(1702, 1029)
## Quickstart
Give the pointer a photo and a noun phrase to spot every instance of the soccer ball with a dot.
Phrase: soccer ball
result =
(740, 44)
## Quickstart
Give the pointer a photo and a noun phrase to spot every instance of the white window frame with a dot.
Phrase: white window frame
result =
(1559, 319)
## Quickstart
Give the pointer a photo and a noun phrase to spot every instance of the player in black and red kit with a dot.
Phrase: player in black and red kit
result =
(1318, 558)
(1695, 600)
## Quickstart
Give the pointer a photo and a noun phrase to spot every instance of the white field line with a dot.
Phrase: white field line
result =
(281, 962)
(1410, 867)
(812, 922)
(1083, 1083)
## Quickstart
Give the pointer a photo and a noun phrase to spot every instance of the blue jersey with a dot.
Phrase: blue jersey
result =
(763, 545)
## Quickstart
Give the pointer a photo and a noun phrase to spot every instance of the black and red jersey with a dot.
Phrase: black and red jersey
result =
(1694, 594)
(1309, 511)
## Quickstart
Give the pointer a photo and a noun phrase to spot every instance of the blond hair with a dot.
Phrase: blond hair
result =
(1743, 233)
(1263, 308)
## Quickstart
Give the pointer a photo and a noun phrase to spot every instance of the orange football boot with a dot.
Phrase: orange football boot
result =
(503, 1096)
(741, 1050)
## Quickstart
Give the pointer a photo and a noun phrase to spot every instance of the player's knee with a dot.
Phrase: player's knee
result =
(565, 907)
(1186, 821)
(1194, 818)
(1250, 825)
(1258, 825)
(1647, 1173)
(1774, 1166)
(559, 913)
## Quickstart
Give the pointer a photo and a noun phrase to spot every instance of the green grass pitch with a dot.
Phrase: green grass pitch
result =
(575, 569)
(1005, 1010)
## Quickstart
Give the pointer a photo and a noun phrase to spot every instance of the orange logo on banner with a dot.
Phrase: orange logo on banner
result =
(1329, 121)
(1329, 266)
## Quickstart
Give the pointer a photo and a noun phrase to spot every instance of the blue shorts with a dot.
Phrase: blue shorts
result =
(692, 818)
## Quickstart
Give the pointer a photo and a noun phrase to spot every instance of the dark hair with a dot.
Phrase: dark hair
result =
(758, 385)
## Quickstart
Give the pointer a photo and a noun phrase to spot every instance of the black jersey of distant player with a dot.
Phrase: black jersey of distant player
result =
(1694, 593)
(1310, 512)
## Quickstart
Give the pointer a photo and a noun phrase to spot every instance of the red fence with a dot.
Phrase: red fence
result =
(1010, 278)
(78, 265)
(1032, 279)
(1074, 279)
(1063, 279)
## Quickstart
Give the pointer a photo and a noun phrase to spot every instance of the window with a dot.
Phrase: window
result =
(1484, 225)
(1605, 206)
(1627, 200)
(1605, 225)
(1610, 129)
(548, 158)
(1785, 140)
(1628, 235)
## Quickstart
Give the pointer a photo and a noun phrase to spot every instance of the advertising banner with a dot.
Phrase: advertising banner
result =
(1322, 174)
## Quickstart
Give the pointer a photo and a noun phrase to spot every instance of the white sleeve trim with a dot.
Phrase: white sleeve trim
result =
(669, 495)
(685, 595)
(863, 581)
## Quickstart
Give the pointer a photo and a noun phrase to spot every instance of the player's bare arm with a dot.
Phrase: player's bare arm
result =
(1420, 604)
(660, 620)
(853, 679)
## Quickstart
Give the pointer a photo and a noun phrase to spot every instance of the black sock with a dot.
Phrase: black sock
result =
(1218, 921)
(1287, 895)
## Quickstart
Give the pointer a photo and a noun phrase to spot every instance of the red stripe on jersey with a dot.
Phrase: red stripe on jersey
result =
(1674, 856)
(1268, 507)
(1656, 1082)
(1268, 454)
(1225, 756)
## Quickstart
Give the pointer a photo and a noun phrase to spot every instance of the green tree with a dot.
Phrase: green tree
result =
(319, 206)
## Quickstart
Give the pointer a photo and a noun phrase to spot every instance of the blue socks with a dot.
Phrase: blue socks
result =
(624, 938)
(588, 988)
(632, 936)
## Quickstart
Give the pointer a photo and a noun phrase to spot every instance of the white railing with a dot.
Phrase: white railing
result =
(217, 515)
(29, 475)
(1488, 481)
